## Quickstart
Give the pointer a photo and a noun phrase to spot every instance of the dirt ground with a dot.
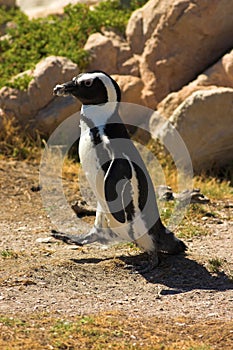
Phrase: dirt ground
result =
(61, 280)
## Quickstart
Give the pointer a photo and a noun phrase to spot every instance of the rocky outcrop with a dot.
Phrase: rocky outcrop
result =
(166, 61)
(131, 88)
(187, 38)
(37, 107)
(204, 122)
(202, 113)
(143, 22)
(111, 53)
(220, 74)
(168, 43)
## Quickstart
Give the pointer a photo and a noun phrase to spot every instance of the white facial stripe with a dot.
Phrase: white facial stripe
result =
(111, 91)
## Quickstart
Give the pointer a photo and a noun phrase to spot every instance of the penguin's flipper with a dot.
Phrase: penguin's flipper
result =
(118, 190)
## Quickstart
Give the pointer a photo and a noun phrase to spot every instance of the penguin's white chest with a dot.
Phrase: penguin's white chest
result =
(91, 164)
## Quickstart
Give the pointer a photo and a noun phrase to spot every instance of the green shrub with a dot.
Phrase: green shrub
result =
(20, 82)
(8, 14)
(28, 41)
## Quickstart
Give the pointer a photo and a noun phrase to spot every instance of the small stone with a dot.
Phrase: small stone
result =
(45, 240)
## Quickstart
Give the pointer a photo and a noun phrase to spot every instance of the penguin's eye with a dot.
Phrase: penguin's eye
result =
(88, 82)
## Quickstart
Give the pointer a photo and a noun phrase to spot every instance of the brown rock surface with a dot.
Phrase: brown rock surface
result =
(143, 22)
(220, 74)
(204, 121)
(110, 53)
(30, 106)
(8, 3)
(132, 110)
(185, 42)
(131, 88)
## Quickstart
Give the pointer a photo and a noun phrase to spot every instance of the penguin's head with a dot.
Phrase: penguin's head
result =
(91, 88)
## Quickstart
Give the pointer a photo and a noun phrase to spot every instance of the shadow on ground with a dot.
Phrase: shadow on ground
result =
(179, 273)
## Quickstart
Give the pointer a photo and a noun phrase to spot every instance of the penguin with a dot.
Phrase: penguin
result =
(126, 202)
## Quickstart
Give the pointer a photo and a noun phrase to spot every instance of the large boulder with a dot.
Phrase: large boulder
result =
(143, 22)
(131, 108)
(187, 38)
(131, 88)
(35, 107)
(204, 121)
(220, 74)
(111, 53)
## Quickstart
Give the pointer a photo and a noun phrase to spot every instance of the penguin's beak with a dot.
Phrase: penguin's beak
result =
(64, 89)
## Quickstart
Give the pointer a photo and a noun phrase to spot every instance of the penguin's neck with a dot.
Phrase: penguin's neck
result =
(104, 118)
(99, 115)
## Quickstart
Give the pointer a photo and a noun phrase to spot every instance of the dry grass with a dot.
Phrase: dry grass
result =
(112, 331)
(17, 143)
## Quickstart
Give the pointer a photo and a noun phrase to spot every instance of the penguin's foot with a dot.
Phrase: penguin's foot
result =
(152, 262)
(69, 239)
(170, 244)
(79, 240)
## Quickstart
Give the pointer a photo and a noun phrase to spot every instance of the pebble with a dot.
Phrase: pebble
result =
(45, 240)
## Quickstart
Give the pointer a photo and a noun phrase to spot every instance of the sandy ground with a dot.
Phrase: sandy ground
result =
(52, 276)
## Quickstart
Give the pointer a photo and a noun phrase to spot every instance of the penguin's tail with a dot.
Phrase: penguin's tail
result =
(168, 243)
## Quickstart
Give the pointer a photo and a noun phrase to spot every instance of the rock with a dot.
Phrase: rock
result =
(172, 101)
(103, 55)
(49, 72)
(110, 53)
(36, 107)
(130, 66)
(220, 74)
(8, 3)
(9, 102)
(143, 22)
(132, 110)
(134, 32)
(48, 118)
(45, 240)
(185, 41)
(131, 88)
(204, 121)
(165, 193)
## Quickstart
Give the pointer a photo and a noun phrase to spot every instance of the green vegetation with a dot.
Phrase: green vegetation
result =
(28, 41)
(217, 186)
(215, 265)
(20, 82)
(8, 254)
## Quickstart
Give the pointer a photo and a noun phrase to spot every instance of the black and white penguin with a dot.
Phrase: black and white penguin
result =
(127, 208)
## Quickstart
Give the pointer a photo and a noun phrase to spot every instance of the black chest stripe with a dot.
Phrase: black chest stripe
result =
(142, 186)
(95, 135)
